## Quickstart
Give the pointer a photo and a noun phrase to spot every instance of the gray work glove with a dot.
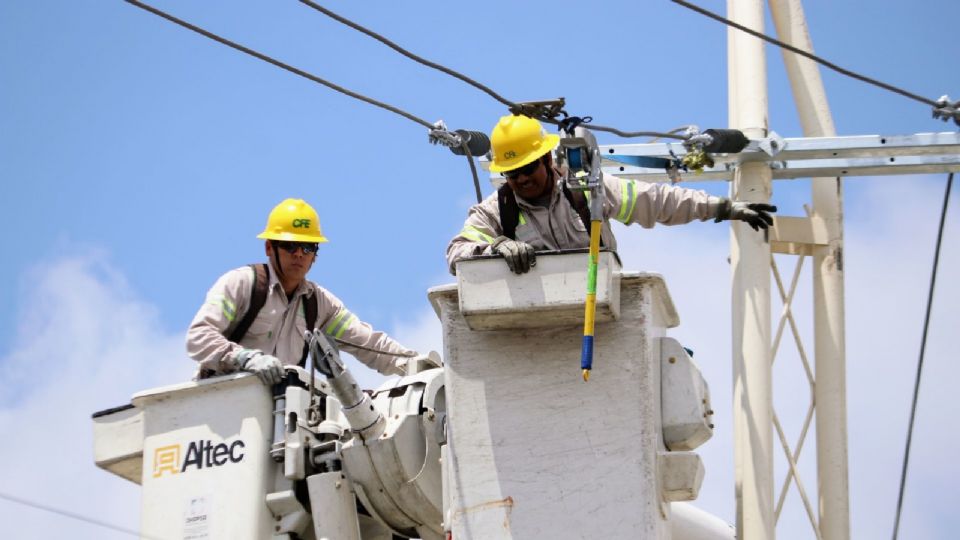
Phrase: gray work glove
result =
(757, 215)
(267, 368)
(520, 256)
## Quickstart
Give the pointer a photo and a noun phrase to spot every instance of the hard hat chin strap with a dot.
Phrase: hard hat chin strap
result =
(276, 258)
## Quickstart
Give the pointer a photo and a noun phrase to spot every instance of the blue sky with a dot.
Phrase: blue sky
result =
(138, 161)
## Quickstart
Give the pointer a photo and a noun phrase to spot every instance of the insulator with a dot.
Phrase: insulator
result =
(477, 142)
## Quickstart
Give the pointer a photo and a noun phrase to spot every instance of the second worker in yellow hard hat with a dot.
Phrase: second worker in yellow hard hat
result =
(535, 211)
(254, 317)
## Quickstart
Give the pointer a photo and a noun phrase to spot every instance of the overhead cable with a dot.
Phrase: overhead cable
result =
(434, 128)
(923, 347)
(805, 54)
(78, 517)
(513, 106)
(282, 65)
(408, 54)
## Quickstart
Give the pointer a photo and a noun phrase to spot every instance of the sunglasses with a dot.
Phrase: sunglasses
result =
(526, 170)
(308, 248)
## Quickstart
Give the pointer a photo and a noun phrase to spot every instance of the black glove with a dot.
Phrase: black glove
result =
(757, 215)
(520, 256)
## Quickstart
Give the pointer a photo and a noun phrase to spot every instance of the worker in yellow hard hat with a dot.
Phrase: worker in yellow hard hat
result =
(534, 210)
(254, 317)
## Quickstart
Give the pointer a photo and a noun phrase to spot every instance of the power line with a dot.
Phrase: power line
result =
(806, 54)
(361, 97)
(297, 71)
(513, 106)
(408, 54)
(923, 347)
(78, 517)
(280, 64)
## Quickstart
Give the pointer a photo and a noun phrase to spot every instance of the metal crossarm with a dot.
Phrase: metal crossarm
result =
(805, 157)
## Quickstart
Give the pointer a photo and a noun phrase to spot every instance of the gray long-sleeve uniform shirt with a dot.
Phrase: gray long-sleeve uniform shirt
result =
(558, 226)
(279, 326)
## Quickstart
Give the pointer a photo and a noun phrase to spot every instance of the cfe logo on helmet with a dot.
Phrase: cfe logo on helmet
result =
(293, 220)
(518, 140)
(200, 454)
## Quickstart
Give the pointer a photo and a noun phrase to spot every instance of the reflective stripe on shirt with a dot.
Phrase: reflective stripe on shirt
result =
(340, 324)
(476, 235)
(229, 309)
(628, 200)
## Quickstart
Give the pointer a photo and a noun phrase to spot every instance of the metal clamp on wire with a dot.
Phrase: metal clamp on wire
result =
(541, 110)
(462, 143)
(947, 109)
(442, 136)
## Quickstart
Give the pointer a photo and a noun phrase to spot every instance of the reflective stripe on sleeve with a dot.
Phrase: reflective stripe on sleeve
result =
(472, 233)
(340, 324)
(229, 309)
(628, 200)
(346, 324)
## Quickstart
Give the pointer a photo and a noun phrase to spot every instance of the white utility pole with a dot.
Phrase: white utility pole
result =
(829, 333)
(750, 261)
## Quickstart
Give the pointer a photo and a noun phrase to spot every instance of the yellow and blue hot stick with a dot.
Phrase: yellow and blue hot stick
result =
(590, 308)
(582, 156)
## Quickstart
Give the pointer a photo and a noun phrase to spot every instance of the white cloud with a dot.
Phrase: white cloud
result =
(422, 331)
(85, 343)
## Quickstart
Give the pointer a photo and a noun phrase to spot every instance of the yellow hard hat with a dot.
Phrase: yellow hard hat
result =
(518, 140)
(293, 220)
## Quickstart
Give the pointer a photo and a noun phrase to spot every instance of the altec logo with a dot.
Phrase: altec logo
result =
(200, 454)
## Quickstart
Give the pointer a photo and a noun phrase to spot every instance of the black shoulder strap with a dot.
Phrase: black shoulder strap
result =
(509, 211)
(258, 297)
(310, 313)
(579, 203)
